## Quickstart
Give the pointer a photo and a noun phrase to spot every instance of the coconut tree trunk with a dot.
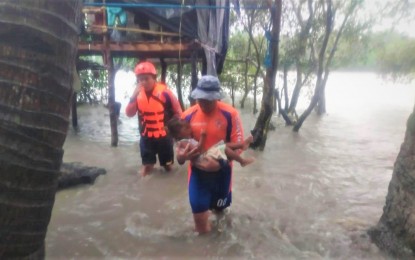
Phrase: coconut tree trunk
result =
(38, 42)
(395, 230)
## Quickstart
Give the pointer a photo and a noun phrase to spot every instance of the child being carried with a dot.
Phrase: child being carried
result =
(181, 131)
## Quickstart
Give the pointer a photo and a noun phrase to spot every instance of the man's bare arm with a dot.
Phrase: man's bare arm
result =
(202, 141)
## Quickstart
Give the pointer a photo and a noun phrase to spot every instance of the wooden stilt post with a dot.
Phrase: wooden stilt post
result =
(74, 111)
(109, 63)
(194, 69)
(194, 75)
(204, 65)
(163, 70)
(111, 102)
(179, 85)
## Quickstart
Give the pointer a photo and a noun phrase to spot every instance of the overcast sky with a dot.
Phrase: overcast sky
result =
(374, 8)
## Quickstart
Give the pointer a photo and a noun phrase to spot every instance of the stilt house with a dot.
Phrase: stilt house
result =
(167, 32)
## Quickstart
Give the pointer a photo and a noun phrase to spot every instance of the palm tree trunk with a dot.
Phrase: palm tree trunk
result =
(38, 42)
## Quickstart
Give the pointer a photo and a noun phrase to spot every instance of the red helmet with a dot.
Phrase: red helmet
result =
(145, 67)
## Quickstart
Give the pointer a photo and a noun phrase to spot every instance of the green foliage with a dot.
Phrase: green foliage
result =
(398, 58)
(186, 83)
(245, 50)
(353, 51)
(125, 63)
(287, 52)
(93, 86)
(94, 82)
(387, 52)
(231, 75)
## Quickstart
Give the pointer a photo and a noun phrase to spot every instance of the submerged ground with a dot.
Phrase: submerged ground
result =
(309, 194)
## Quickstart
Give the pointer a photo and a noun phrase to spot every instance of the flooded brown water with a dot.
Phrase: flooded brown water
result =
(308, 195)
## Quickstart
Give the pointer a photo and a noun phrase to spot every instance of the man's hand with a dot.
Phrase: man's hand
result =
(185, 154)
(135, 93)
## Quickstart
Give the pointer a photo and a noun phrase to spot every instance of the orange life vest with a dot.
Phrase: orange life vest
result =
(151, 111)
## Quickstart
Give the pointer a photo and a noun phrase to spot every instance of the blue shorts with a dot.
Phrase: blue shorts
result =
(210, 190)
(150, 147)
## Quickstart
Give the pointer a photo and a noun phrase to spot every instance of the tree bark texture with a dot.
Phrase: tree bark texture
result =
(321, 104)
(296, 92)
(260, 130)
(247, 88)
(285, 86)
(38, 43)
(395, 230)
(303, 39)
(109, 62)
(320, 80)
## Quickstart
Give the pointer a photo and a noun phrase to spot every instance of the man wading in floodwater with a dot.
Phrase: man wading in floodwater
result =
(210, 185)
(155, 105)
